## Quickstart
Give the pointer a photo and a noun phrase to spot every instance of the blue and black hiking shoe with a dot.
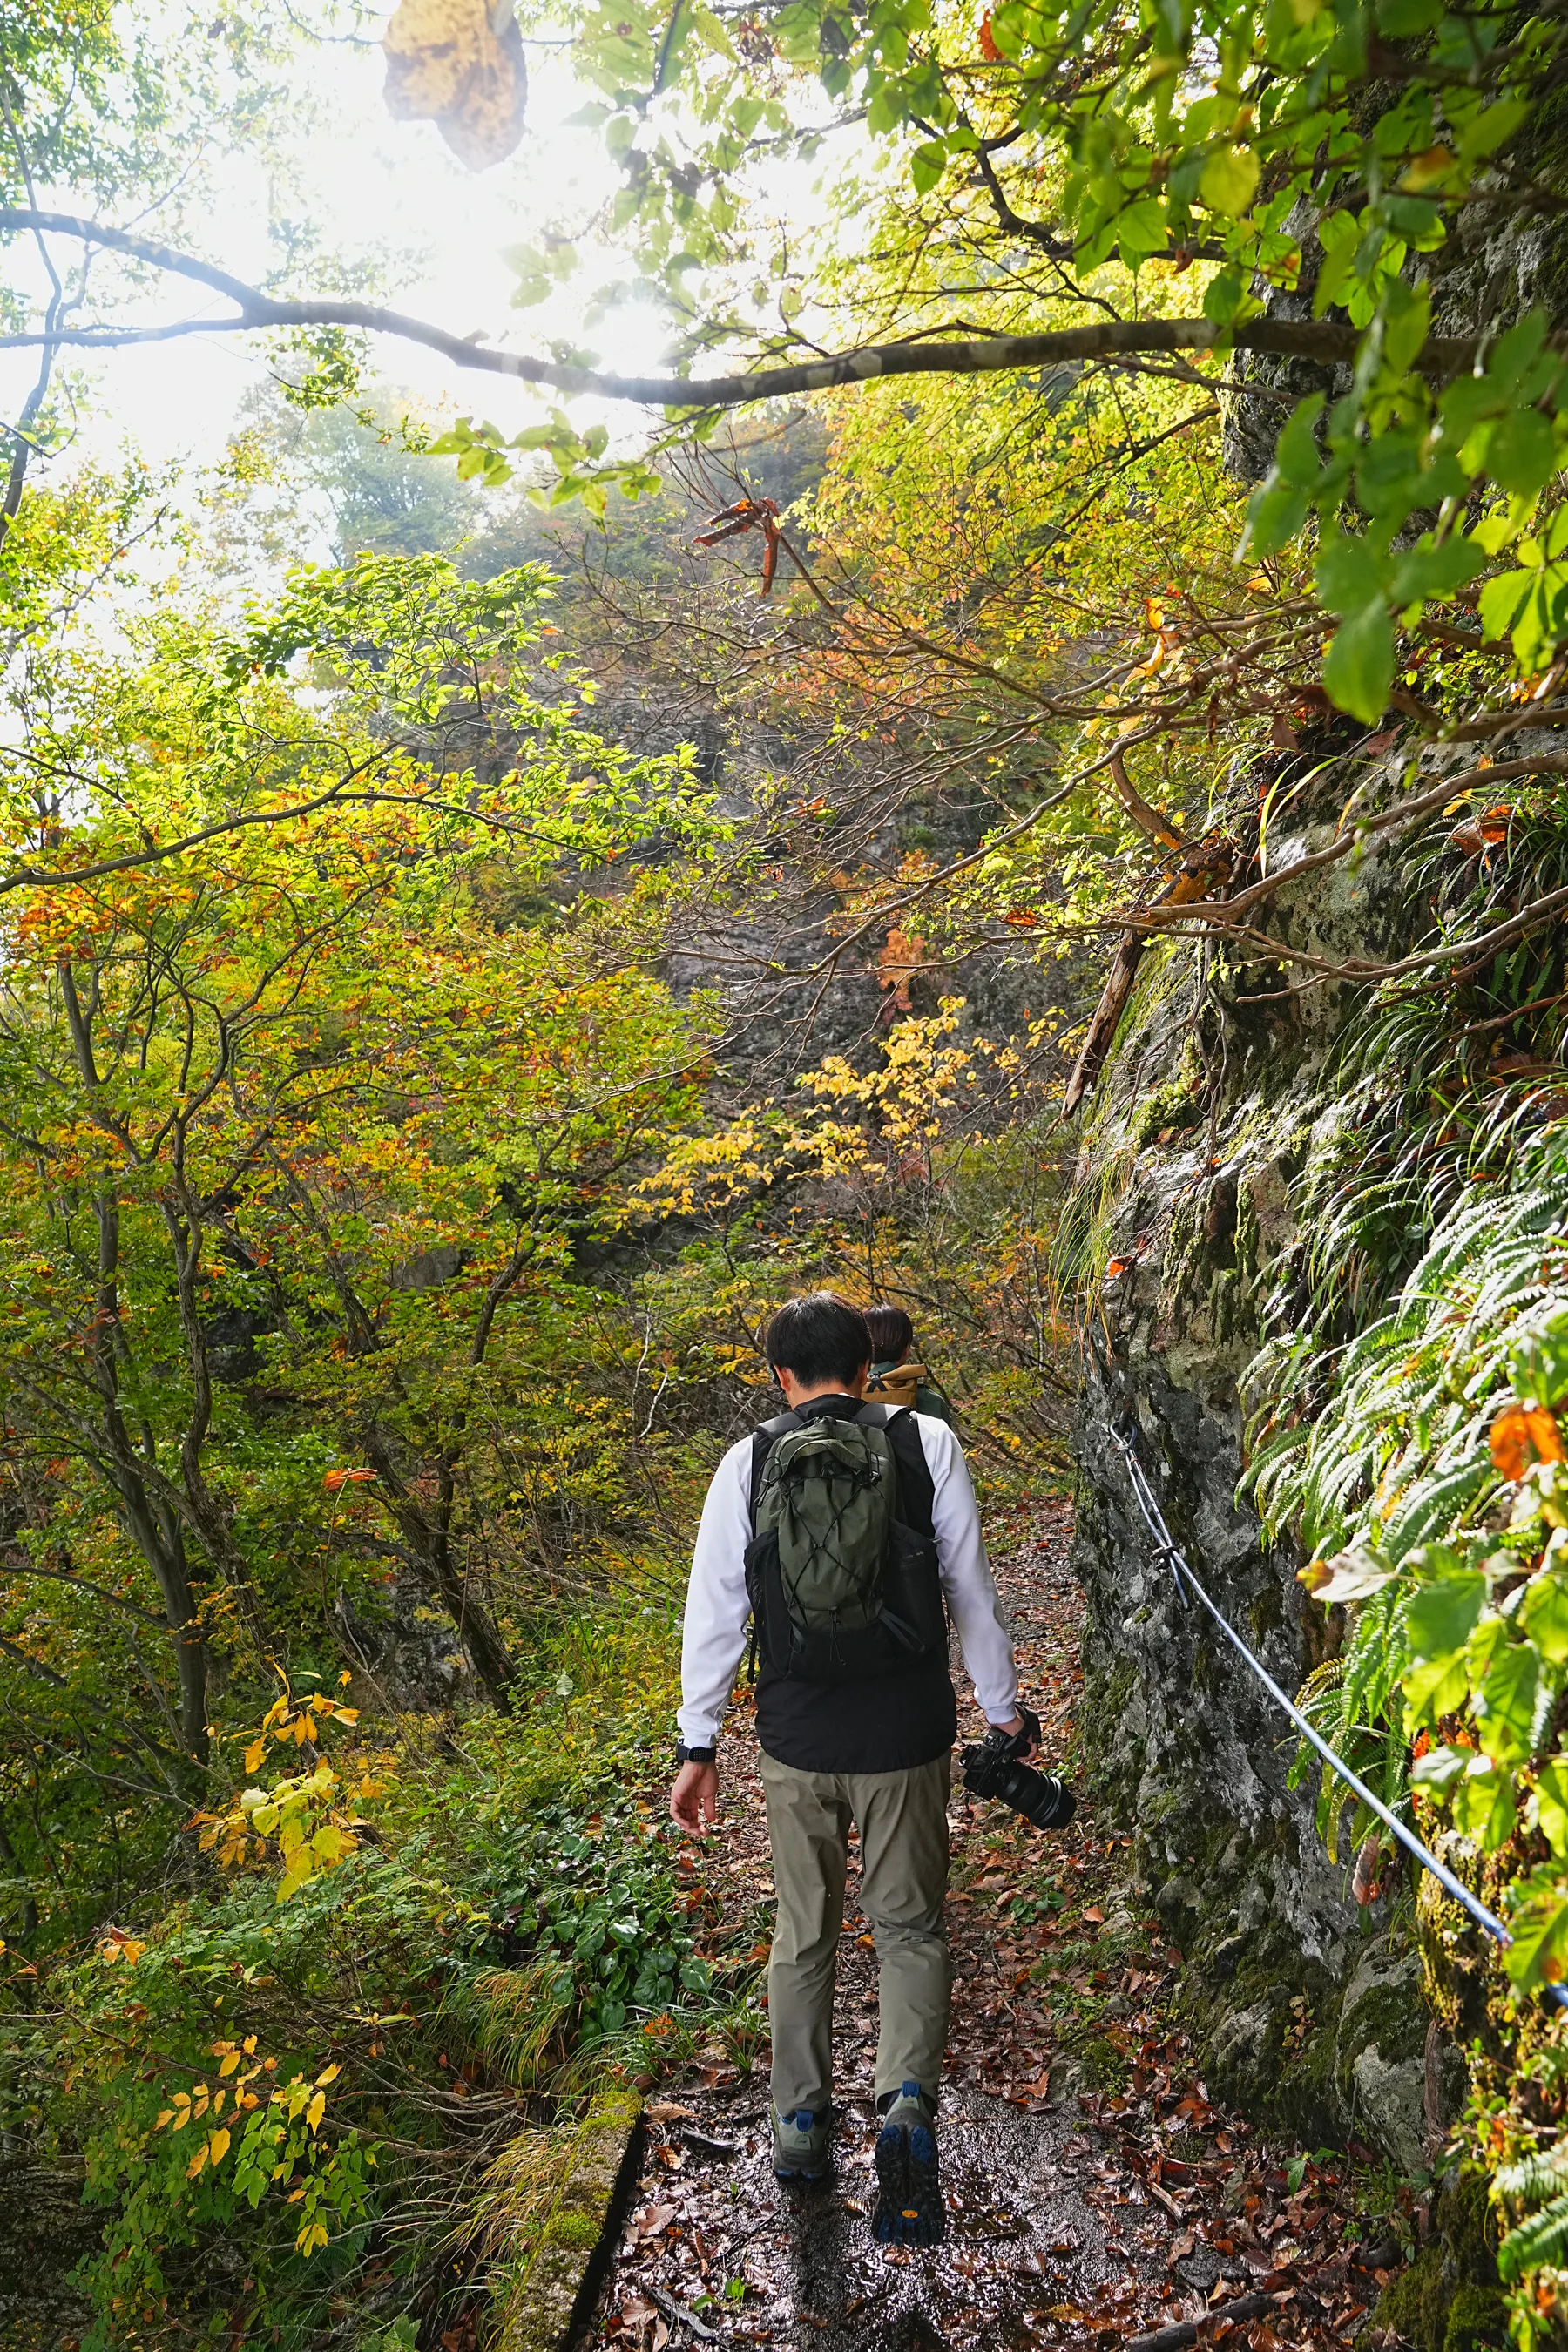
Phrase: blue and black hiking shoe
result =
(909, 2184)
(801, 2143)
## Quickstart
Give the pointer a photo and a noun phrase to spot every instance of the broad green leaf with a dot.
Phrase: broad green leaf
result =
(1484, 1804)
(713, 31)
(1501, 601)
(1275, 514)
(1402, 20)
(1296, 454)
(1440, 1768)
(1511, 1701)
(1430, 571)
(1142, 229)
(1521, 453)
(1440, 1617)
(1358, 670)
(1514, 357)
(1543, 1614)
(1350, 576)
(927, 165)
(1434, 1688)
(1538, 1365)
(1495, 124)
(1539, 1952)
(1407, 316)
(1551, 1803)
(1230, 179)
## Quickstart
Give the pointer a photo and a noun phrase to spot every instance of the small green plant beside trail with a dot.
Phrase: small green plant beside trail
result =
(286, 2092)
(1434, 1492)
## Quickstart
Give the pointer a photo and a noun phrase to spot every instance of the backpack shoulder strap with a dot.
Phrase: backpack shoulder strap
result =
(762, 1443)
(916, 1495)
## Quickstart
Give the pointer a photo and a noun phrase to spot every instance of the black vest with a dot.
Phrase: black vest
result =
(886, 1724)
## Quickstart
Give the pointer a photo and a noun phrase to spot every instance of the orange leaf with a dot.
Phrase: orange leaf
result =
(1523, 1434)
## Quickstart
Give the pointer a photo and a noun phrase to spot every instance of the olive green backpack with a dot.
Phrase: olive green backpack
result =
(841, 1588)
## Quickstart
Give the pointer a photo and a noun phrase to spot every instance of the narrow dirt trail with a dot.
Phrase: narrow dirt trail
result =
(1094, 2193)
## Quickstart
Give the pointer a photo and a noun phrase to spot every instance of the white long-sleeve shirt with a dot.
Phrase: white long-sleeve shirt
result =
(717, 1606)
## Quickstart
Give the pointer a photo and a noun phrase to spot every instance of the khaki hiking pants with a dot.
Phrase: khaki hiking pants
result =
(902, 1821)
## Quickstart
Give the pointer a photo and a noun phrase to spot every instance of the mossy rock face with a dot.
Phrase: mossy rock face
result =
(1450, 2299)
(1210, 1102)
(1476, 2316)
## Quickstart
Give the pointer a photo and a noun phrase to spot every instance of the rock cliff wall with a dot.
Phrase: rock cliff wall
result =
(1307, 2004)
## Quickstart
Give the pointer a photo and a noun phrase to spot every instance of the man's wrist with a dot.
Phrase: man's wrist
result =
(684, 1755)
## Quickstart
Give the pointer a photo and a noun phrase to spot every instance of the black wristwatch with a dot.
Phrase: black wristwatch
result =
(684, 1755)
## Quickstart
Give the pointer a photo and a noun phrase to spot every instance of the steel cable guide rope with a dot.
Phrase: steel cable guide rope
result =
(1167, 1551)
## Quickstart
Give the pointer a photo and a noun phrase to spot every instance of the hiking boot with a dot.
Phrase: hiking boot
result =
(800, 2143)
(909, 2184)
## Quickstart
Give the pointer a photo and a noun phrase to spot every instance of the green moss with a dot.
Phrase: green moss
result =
(1104, 2066)
(1476, 2316)
(1110, 1769)
(1449, 2300)
(1267, 1611)
(1416, 2305)
(573, 2230)
(1177, 1105)
(1389, 2018)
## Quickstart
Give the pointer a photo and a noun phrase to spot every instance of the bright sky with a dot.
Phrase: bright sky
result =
(371, 181)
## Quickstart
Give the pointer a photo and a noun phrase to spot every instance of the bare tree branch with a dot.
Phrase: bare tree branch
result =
(1107, 341)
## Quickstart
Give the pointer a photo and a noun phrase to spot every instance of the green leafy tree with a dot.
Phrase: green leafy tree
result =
(301, 1125)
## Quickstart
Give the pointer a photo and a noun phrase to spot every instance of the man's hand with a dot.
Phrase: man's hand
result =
(694, 1799)
(1025, 1755)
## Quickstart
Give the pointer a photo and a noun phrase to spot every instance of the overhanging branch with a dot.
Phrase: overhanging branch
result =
(1106, 340)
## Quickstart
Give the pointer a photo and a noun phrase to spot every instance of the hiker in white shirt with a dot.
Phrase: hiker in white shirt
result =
(855, 1717)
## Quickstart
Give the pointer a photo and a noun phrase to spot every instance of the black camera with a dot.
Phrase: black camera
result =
(992, 1769)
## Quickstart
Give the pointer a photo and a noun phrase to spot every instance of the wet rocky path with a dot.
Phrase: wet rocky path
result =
(1095, 2195)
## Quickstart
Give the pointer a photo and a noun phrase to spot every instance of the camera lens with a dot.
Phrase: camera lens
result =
(1040, 1797)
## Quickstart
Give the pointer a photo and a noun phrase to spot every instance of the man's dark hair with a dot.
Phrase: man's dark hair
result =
(892, 1334)
(818, 1338)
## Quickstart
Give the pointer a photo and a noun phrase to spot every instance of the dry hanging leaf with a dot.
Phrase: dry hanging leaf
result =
(1523, 1434)
(1483, 832)
(460, 64)
(1366, 1879)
